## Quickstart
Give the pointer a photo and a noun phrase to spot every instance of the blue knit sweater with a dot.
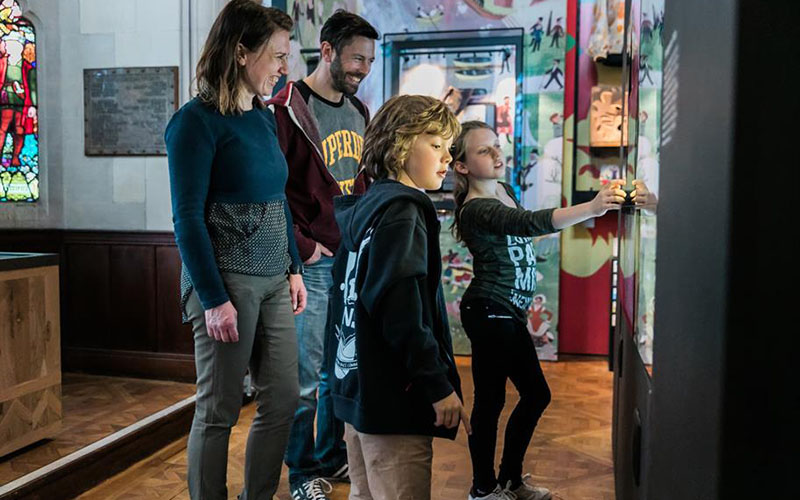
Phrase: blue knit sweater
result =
(227, 174)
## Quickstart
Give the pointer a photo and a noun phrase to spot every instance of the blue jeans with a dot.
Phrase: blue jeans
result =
(305, 457)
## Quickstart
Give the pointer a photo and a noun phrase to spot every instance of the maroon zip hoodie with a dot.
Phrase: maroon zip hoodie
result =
(310, 188)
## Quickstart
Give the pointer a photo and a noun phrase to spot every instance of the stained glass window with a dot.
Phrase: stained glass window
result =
(19, 121)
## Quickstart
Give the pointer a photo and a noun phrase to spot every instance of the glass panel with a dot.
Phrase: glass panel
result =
(478, 74)
(19, 121)
(649, 68)
(639, 224)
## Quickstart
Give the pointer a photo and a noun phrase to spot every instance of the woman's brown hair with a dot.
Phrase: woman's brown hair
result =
(218, 73)
(391, 133)
(459, 152)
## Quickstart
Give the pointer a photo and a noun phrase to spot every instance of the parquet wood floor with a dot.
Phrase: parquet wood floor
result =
(570, 452)
(94, 407)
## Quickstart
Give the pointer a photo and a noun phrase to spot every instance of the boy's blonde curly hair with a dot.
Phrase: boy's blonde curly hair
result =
(396, 125)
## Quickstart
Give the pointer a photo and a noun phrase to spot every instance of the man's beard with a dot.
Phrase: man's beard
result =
(339, 78)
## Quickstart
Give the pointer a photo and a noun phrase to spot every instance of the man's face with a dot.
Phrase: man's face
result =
(352, 65)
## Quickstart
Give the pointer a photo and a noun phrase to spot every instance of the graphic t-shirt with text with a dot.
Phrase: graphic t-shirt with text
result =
(500, 239)
(341, 128)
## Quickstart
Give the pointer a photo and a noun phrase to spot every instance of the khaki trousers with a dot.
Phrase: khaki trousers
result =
(388, 467)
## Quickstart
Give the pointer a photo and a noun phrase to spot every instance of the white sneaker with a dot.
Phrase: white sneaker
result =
(498, 494)
(527, 491)
(342, 474)
(314, 489)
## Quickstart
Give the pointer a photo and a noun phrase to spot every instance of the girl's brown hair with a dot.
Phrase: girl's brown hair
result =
(459, 152)
(218, 73)
(391, 133)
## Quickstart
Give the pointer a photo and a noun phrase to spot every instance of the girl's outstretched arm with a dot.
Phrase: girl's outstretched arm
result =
(610, 197)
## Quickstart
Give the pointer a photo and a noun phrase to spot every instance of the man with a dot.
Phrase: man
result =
(321, 127)
(554, 73)
(557, 33)
(537, 32)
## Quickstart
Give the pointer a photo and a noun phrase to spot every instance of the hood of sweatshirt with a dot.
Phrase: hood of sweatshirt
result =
(355, 214)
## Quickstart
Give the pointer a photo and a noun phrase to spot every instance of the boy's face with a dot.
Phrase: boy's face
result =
(427, 162)
(484, 158)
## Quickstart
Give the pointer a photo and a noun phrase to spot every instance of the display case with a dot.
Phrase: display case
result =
(478, 74)
(634, 335)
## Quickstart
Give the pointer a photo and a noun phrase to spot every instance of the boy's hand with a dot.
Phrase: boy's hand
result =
(449, 411)
(611, 197)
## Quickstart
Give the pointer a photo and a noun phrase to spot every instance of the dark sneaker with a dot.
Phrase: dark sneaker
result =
(313, 489)
(340, 475)
(527, 491)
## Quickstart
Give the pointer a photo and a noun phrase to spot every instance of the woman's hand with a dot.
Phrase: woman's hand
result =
(297, 291)
(609, 198)
(642, 196)
(449, 411)
(221, 323)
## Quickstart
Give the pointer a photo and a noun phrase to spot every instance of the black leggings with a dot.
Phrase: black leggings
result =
(502, 349)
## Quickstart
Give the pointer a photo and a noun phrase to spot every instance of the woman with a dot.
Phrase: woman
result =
(234, 232)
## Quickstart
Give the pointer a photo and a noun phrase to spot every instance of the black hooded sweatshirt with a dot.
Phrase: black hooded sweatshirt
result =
(389, 345)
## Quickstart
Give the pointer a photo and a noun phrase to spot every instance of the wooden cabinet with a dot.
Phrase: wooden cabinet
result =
(30, 350)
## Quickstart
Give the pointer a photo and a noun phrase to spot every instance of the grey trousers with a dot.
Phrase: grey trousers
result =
(268, 346)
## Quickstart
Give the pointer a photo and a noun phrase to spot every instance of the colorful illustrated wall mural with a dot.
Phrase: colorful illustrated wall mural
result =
(538, 178)
(19, 125)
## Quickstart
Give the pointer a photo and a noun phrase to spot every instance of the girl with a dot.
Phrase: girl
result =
(499, 234)
(234, 232)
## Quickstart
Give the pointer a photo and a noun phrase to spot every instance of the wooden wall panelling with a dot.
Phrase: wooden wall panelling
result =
(132, 312)
(173, 335)
(87, 295)
(155, 365)
(119, 300)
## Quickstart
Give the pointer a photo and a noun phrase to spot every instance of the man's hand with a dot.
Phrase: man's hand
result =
(297, 291)
(221, 323)
(319, 251)
(449, 411)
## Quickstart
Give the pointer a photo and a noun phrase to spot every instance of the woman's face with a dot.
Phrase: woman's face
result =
(264, 66)
(484, 158)
(426, 166)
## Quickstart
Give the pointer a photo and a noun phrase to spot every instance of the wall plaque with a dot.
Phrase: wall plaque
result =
(127, 109)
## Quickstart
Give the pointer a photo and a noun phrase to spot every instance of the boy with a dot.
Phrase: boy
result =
(395, 383)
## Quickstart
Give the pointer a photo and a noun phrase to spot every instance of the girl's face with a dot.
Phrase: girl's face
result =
(427, 162)
(484, 158)
(264, 66)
